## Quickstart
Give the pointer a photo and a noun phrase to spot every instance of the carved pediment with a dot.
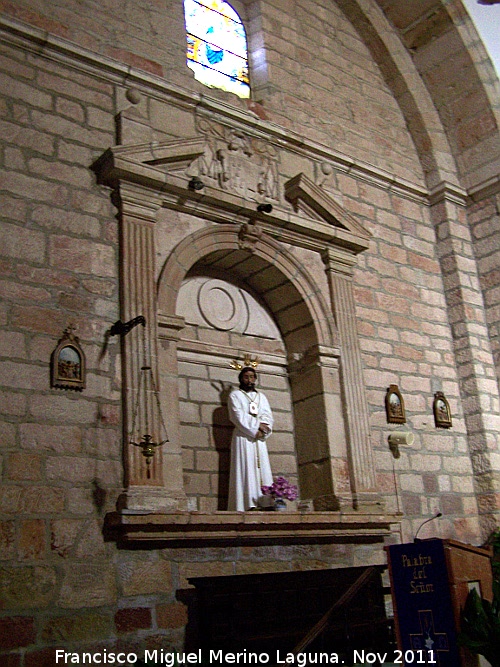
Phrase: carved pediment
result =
(237, 172)
(223, 158)
(313, 202)
(172, 155)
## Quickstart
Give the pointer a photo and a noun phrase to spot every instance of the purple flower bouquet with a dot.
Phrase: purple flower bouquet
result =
(281, 488)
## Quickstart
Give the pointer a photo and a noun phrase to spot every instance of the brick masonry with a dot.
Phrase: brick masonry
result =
(61, 466)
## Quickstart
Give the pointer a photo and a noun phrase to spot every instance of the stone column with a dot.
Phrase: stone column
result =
(144, 488)
(339, 267)
(473, 355)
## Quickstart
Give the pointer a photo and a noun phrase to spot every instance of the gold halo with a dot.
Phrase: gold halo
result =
(248, 362)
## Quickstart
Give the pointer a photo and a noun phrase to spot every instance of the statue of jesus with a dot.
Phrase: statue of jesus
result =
(250, 412)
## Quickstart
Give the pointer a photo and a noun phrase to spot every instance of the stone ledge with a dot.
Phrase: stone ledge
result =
(234, 528)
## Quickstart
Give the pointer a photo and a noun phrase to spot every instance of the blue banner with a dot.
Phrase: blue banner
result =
(423, 604)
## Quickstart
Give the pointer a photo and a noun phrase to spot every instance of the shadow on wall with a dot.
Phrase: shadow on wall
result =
(222, 431)
(99, 495)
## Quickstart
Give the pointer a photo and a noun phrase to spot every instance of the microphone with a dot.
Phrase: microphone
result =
(436, 516)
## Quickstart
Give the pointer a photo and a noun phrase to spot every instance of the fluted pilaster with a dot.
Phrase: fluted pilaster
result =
(339, 269)
(138, 208)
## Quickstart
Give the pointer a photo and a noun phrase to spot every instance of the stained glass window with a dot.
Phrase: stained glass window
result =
(217, 45)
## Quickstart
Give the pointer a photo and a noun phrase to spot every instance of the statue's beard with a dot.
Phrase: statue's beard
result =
(247, 387)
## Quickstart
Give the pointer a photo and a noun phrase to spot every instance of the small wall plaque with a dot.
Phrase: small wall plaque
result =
(67, 364)
(395, 405)
(441, 409)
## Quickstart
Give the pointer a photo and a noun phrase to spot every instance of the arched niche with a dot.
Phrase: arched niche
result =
(305, 355)
(222, 312)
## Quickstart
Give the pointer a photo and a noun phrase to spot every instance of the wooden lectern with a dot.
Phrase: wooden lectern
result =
(430, 581)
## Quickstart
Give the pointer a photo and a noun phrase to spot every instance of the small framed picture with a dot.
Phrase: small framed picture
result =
(68, 363)
(395, 405)
(441, 409)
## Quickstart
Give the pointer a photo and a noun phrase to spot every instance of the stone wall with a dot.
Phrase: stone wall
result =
(135, 600)
(61, 450)
(404, 335)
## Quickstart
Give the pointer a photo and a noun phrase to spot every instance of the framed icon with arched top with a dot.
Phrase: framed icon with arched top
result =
(394, 406)
(67, 365)
(442, 412)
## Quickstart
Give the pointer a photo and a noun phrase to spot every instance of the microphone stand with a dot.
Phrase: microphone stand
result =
(436, 516)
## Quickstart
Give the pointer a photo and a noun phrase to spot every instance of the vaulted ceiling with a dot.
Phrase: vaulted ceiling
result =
(434, 62)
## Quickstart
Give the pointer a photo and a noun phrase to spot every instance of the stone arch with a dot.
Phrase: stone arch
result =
(303, 318)
(403, 79)
(266, 263)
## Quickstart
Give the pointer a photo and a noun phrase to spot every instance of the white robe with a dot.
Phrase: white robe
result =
(250, 468)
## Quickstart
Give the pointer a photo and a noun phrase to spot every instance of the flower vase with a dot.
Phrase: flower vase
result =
(279, 505)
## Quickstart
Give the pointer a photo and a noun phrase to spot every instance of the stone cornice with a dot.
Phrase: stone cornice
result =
(43, 43)
(199, 352)
(56, 48)
(119, 165)
(447, 192)
(196, 529)
(488, 188)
